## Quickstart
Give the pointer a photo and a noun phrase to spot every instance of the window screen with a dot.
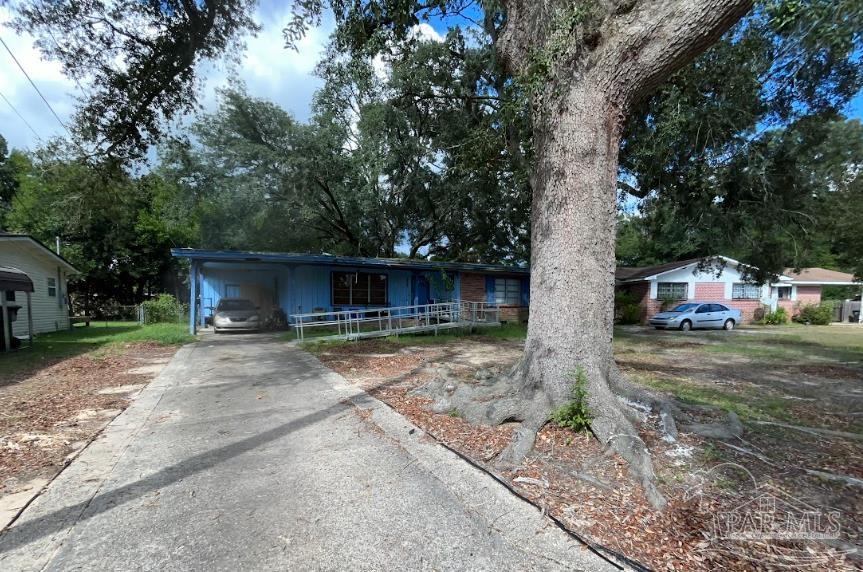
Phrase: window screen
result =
(507, 291)
(671, 291)
(742, 291)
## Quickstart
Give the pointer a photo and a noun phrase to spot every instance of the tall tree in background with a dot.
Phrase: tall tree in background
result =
(135, 60)
(12, 165)
(109, 223)
(722, 157)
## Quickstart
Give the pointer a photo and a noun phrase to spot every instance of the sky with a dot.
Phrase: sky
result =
(268, 69)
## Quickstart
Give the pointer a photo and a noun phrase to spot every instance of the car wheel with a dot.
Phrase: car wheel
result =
(729, 324)
(685, 326)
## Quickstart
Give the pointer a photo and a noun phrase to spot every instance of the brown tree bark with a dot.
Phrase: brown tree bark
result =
(620, 51)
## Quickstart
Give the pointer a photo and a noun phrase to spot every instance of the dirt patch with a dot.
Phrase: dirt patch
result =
(572, 478)
(46, 417)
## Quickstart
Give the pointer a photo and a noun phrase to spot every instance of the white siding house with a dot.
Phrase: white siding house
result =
(49, 273)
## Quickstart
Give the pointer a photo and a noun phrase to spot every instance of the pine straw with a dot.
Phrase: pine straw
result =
(573, 479)
(49, 414)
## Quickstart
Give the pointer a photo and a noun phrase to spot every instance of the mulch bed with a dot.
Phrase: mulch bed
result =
(573, 479)
(49, 414)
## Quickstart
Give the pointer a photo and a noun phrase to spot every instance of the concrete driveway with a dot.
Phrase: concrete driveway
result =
(248, 454)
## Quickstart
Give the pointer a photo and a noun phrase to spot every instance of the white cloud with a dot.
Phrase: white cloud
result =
(425, 31)
(48, 76)
(268, 69)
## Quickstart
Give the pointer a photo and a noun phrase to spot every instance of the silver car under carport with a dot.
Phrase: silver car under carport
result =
(236, 314)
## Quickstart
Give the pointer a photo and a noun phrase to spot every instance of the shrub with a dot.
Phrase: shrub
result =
(575, 414)
(775, 318)
(627, 310)
(164, 308)
(816, 314)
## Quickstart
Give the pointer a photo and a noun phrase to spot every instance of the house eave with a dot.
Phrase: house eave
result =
(42, 248)
(204, 255)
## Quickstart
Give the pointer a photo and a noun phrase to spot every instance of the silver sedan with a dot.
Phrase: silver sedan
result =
(236, 314)
(697, 315)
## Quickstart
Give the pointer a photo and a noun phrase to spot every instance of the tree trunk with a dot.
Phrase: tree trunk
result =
(573, 219)
(619, 52)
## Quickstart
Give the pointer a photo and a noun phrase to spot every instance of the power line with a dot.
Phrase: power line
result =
(21, 117)
(57, 117)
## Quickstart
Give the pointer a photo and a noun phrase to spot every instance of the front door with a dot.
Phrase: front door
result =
(421, 290)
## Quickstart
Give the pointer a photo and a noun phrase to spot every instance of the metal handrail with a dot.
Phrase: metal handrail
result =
(391, 320)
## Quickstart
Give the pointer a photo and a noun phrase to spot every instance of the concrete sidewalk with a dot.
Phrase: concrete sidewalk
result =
(246, 454)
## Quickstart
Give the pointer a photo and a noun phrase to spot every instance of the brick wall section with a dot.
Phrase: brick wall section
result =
(808, 295)
(473, 290)
(805, 295)
(473, 287)
(710, 291)
(515, 314)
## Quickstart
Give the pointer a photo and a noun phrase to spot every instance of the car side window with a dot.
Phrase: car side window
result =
(703, 309)
(719, 308)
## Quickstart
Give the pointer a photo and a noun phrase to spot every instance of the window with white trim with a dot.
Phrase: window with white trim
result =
(671, 290)
(52, 287)
(783, 292)
(743, 291)
(507, 291)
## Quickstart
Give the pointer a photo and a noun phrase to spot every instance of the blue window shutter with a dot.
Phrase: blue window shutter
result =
(525, 291)
(489, 289)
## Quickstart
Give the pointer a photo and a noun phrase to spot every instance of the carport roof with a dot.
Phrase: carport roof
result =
(206, 255)
(15, 280)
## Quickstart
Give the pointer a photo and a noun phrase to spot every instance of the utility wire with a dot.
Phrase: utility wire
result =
(57, 117)
(18, 113)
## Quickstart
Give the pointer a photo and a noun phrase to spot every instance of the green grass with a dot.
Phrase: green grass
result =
(52, 347)
(804, 344)
(748, 406)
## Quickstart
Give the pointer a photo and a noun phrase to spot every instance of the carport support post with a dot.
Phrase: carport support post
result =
(193, 298)
(30, 320)
(7, 327)
(860, 309)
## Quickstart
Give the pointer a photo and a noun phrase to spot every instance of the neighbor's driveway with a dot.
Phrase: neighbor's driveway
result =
(246, 454)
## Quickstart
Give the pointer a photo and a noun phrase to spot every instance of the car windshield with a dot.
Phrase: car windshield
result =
(685, 307)
(228, 305)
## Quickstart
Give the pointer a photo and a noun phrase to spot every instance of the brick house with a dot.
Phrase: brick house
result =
(721, 279)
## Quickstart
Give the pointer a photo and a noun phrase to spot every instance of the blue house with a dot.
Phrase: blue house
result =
(306, 283)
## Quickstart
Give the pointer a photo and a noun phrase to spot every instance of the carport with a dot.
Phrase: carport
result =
(13, 280)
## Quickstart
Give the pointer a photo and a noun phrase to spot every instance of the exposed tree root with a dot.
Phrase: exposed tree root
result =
(510, 398)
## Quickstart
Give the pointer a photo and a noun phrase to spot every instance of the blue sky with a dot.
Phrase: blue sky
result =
(268, 69)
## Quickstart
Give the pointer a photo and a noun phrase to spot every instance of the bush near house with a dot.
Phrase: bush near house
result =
(776, 318)
(627, 310)
(164, 308)
(815, 314)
